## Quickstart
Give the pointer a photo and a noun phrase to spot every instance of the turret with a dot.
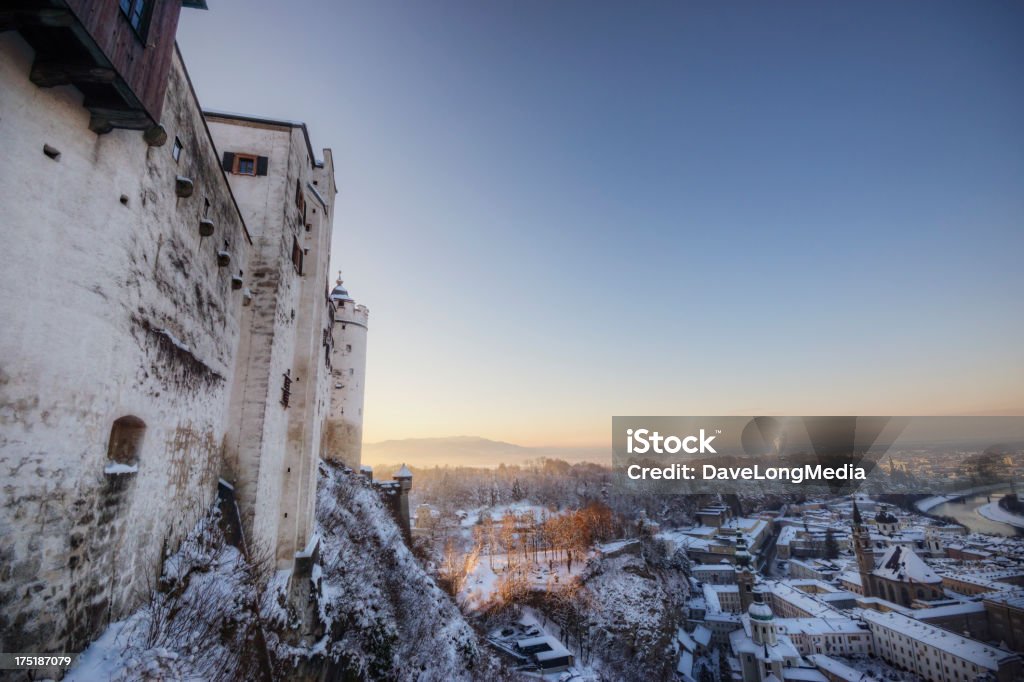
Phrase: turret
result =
(343, 433)
(404, 479)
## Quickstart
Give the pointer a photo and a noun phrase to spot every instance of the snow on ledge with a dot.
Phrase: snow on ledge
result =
(314, 538)
(117, 469)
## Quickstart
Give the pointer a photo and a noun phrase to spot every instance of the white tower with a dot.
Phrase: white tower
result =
(762, 623)
(343, 440)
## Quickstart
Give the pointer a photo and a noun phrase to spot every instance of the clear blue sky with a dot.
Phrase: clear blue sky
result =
(562, 211)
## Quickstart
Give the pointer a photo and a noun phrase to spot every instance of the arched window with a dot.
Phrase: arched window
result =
(905, 596)
(125, 443)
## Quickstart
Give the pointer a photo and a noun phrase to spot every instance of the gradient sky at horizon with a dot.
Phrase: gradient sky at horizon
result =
(562, 211)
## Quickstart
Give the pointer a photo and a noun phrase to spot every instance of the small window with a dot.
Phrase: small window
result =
(286, 388)
(297, 255)
(125, 442)
(348, 347)
(176, 150)
(245, 164)
(137, 13)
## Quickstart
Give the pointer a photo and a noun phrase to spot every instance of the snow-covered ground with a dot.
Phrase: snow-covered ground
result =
(482, 584)
(193, 625)
(472, 516)
(993, 512)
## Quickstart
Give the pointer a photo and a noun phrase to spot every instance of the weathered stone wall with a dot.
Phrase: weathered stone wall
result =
(272, 449)
(111, 305)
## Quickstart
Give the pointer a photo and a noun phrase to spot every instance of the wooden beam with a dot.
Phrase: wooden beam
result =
(47, 74)
(13, 16)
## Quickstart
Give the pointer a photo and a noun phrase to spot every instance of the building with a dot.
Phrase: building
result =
(280, 401)
(901, 576)
(835, 635)
(343, 436)
(715, 574)
(983, 579)
(186, 345)
(1005, 612)
(546, 652)
(937, 654)
(762, 652)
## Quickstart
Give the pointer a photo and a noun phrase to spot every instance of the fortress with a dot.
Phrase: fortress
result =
(169, 331)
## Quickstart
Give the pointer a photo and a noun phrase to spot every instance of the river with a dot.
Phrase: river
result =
(965, 511)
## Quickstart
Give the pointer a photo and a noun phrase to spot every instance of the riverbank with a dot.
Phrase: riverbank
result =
(993, 512)
(929, 503)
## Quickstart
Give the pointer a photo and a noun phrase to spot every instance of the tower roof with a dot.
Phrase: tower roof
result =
(856, 514)
(403, 472)
(340, 293)
(759, 609)
(885, 516)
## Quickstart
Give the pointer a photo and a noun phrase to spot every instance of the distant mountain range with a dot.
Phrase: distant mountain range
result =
(471, 451)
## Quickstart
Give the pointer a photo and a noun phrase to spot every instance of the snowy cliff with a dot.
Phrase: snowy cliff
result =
(385, 617)
(375, 613)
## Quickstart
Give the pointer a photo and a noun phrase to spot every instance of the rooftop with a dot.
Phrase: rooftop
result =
(968, 649)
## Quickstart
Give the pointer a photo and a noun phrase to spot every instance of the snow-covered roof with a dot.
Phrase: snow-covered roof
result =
(903, 565)
(803, 675)
(685, 666)
(685, 640)
(555, 649)
(702, 635)
(968, 649)
(852, 577)
(961, 609)
(838, 669)
(403, 472)
(835, 624)
(760, 611)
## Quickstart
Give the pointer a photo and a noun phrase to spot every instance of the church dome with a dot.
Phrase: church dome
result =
(340, 293)
(760, 611)
(885, 516)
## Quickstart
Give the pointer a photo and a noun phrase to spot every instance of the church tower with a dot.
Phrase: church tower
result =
(862, 548)
(762, 620)
(744, 574)
(343, 431)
